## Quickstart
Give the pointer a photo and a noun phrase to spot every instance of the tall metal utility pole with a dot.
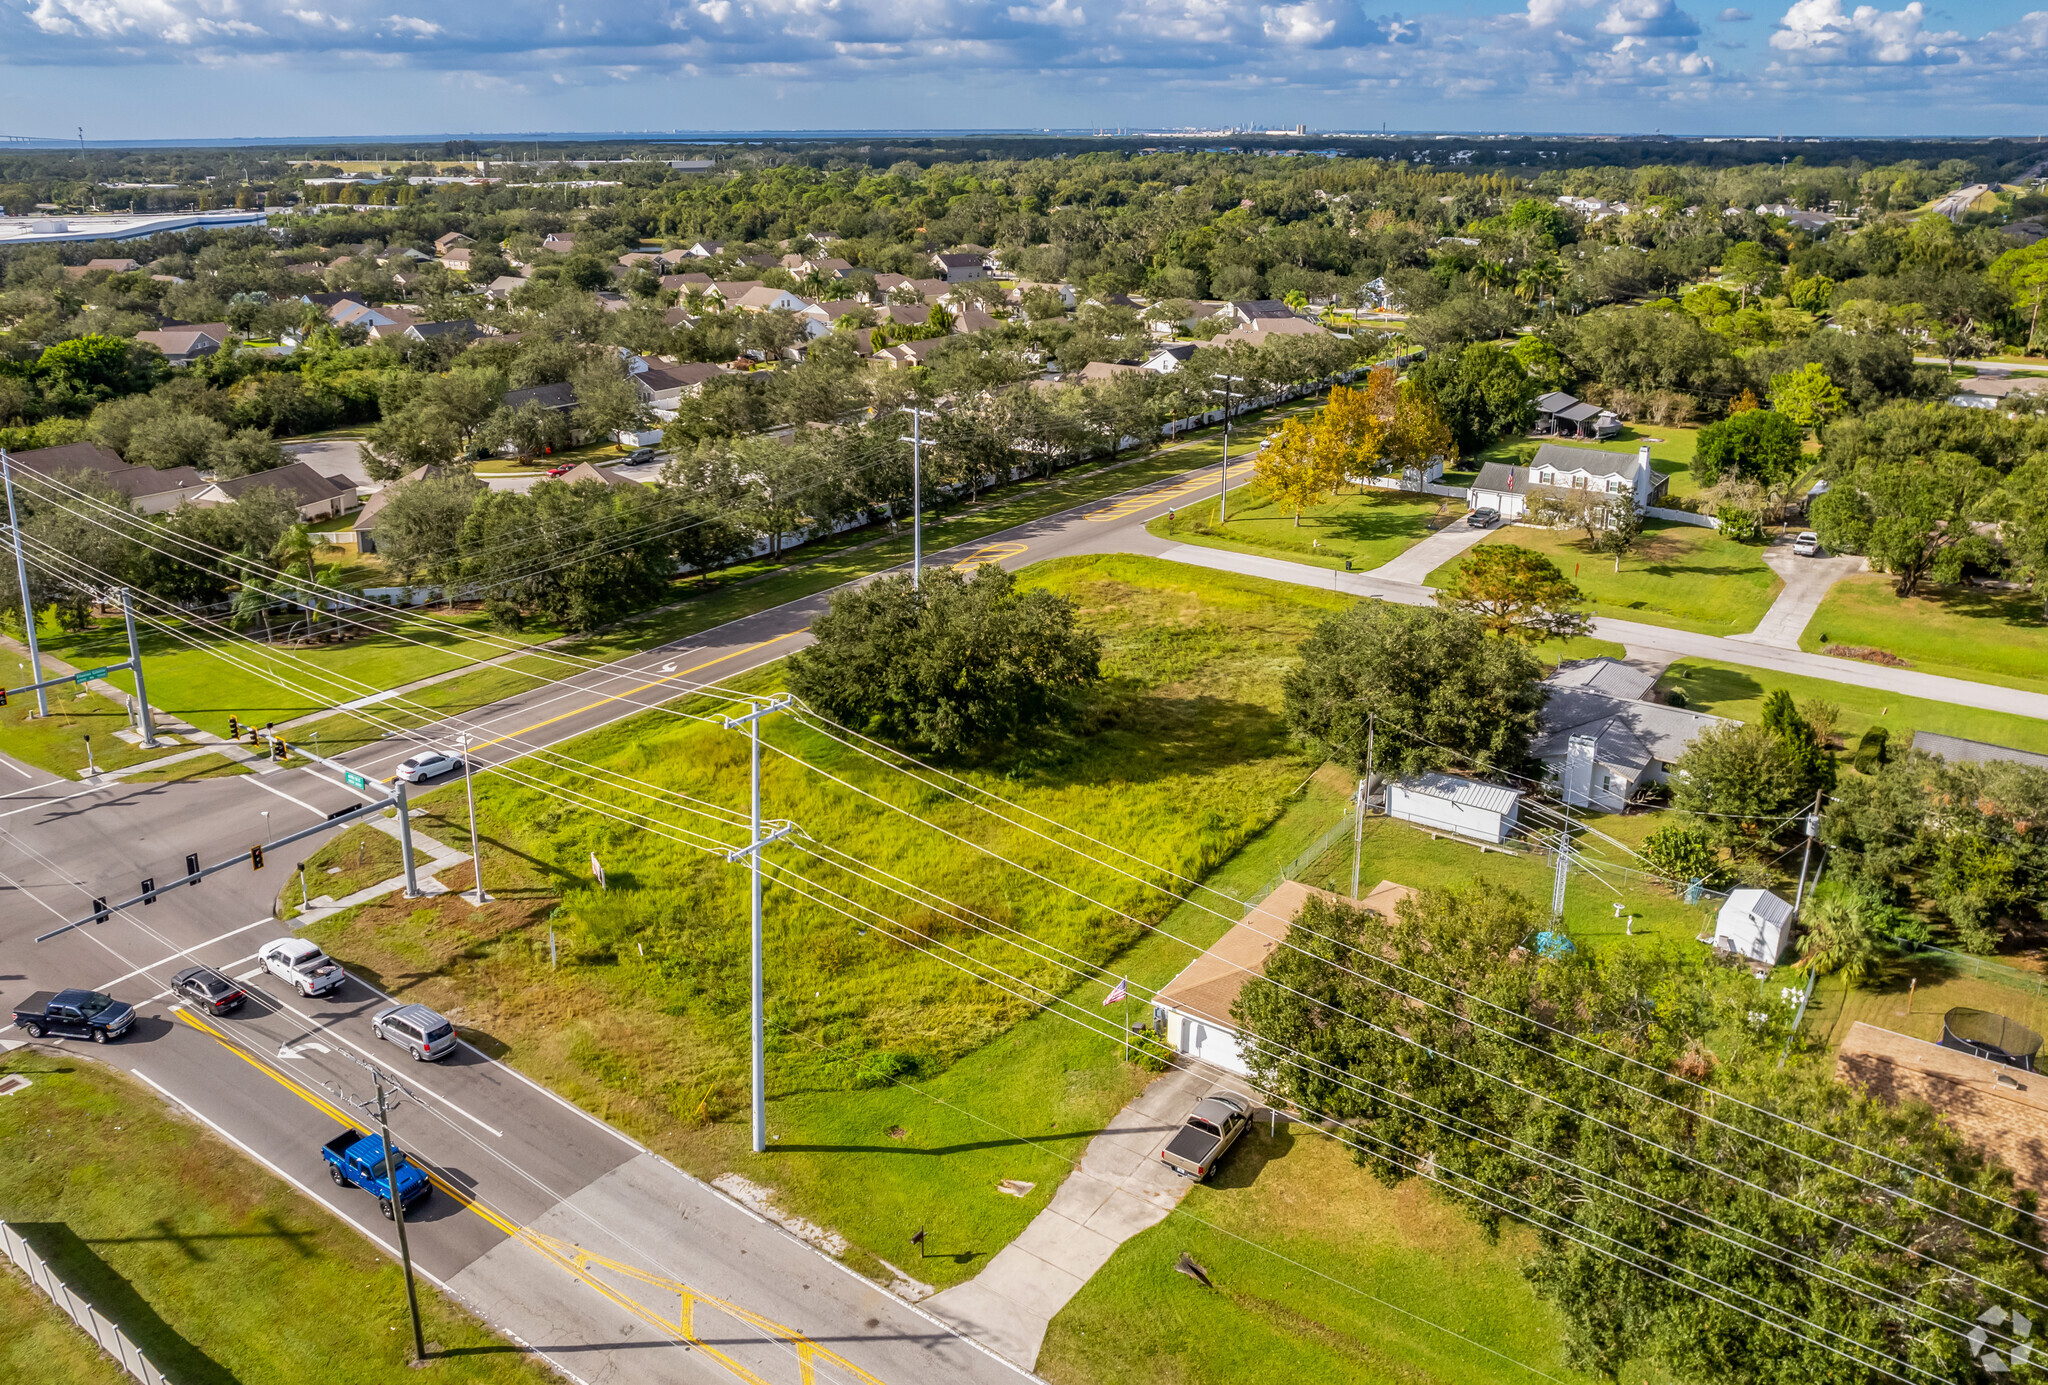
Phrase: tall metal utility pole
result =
(916, 441)
(28, 605)
(1564, 861)
(1223, 493)
(1805, 856)
(412, 1296)
(752, 854)
(476, 860)
(135, 662)
(412, 884)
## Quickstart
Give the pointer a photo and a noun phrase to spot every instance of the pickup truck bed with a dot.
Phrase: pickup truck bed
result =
(1211, 1129)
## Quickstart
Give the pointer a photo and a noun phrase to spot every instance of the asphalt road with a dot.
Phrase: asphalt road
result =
(561, 1231)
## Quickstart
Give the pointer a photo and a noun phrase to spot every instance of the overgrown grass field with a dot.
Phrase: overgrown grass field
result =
(1678, 575)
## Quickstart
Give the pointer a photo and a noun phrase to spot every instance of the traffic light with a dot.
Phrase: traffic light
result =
(192, 866)
(149, 890)
(278, 749)
(234, 729)
(255, 858)
(99, 910)
(3, 697)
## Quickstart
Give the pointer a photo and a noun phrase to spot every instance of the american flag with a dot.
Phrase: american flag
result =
(1117, 992)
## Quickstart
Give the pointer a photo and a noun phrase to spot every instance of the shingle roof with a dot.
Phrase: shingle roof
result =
(296, 479)
(1555, 400)
(1627, 733)
(556, 396)
(1591, 460)
(1957, 750)
(1610, 676)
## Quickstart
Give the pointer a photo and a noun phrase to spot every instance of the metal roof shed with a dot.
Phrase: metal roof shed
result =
(1451, 803)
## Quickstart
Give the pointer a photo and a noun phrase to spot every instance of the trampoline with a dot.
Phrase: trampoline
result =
(1986, 1035)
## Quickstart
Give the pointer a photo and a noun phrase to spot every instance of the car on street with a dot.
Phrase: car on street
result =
(203, 986)
(563, 469)
(428, 764)
(1807, 545)
(74, 1014)
(423, 1033)
(356, 1160)
(640, 454)
(302, 966)
(1207, 1135)
(1483, 518)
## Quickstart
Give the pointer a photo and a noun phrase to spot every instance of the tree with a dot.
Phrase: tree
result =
(1439, 693)
(1348, 433)
(1842, 931)
(1682, 851)
(1757, 445)
(1516, 591)
(1807, 396)
(574, 555)
(1752, 267)
(249, 451)
(606, 400)
(1483, 392)
(1912, 519)
(1741, 783)
(419, 528)
(1295, 470)
(177, 439)
(1816, 768)
(1623, 526)
(957, 669)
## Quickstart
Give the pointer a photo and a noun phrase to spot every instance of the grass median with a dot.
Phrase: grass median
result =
(215, 1268)
(1984, 636)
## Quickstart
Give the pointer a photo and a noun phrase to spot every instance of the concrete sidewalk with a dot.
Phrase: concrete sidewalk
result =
(1118, 1189)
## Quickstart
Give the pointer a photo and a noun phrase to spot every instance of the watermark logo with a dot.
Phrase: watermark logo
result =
(1988, 1356)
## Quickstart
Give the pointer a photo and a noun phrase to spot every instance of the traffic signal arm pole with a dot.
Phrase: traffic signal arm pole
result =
(346, 816)
(28, 605)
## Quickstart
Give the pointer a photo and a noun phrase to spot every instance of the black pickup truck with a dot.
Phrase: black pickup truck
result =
(74, 1015)
(1211, 1129)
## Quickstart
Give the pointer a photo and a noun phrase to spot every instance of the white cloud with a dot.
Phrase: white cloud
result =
(1648, 19)
(1822, 31)
(420, 28)
(1058, 14)
(1734, 16)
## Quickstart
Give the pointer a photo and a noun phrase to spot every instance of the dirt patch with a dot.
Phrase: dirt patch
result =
(1867, 654)
(759, 1199)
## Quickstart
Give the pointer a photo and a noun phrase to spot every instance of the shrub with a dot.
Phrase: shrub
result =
(1872, 750)
(1682, 852)
(1740, 523)
(1676, 698)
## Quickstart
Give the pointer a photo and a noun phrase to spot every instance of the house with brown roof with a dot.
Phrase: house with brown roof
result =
(559, 243)
(364, 530)
(184, 345)
(313, 495)
(154, 492)
(663, 388)
(956, 267)
(443, 244)
(584, 471)
(1191, 1013)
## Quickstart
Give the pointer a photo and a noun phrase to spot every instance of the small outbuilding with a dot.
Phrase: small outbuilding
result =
(1754, 925)
(1451, 803)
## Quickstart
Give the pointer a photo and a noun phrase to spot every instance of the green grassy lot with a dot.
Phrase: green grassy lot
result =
(360, 857)
(199, 767)
(37, 1342)
(1320, 1274)
(1185, 763)
(214, 1268)
(1368, 527)
(1679, 575)
(1671, 452)
(1730, 690)
(1988, 637)
(57, 742)
(1912, 994)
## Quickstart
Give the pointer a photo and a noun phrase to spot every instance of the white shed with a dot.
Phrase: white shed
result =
(1755, 925)
(1449, 803)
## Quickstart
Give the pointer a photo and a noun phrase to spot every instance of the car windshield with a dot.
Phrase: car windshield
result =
(94, 1003)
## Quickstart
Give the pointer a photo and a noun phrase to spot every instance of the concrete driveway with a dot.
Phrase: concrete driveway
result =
(1806, 582)
(341, 457)
(1426, 557)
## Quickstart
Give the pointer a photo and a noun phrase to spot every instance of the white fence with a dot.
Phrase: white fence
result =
(112, 1340)
(1682, 517)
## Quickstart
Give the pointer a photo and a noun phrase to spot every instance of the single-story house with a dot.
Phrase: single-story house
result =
(1191, 1013)
(1096, 372)
(79, 271)
(686, 283)
(1507, 489)
(971, 319)
(584, 471)
(908, 353)
(2001, 1110)
(364, 529)
(183, 345)
(730, 291)
(1265, 329)
(1601, 739)
(443, 244)
(1754, 925)
(350, 313)
(154, 492)
(762, 299)
(559, 243)
(1249, 311)
(460, 329)
(664, 387)
(1563, 415)
(457, 258)
(501, 288)
(314, 495)
(1170, 358)
(560, 397)
(955, 268)
(706, 249)
(1439, 802)
(678, 317)
(401, 324)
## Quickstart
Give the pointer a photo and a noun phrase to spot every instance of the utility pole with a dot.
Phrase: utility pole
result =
(412, 884)
(1357, 835)
(752, 853)
(916, 441)
(28, 606)
(412, 1297)
(1223, 493)
(476, 861)
(1812, 830)
(1564, 860)
(135, 662)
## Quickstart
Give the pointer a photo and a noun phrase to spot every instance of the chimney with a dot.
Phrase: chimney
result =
(1643, 456)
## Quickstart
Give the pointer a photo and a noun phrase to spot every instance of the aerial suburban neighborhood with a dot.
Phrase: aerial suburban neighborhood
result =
(1181, 755)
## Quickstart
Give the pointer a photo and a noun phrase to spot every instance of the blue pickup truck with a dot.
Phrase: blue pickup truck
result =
(357, 1160)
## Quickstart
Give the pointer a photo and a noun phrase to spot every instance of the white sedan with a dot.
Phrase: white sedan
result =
(428, 764)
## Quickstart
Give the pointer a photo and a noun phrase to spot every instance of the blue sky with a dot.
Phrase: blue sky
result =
(225, 68)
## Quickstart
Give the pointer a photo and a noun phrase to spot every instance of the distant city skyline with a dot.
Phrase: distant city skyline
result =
(226, 69)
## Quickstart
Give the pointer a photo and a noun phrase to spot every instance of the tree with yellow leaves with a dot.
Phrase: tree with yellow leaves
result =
(1297, 470)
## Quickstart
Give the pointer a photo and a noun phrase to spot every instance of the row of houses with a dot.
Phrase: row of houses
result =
(314, 495)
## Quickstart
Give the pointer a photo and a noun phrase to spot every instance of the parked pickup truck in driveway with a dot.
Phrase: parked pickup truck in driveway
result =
(302, 966)
(1211, 1129)
(357, 1160)
(74, 1015)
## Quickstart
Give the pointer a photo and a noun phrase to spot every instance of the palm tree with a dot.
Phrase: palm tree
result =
(296, 545)
(1842, 935)
(252, 603)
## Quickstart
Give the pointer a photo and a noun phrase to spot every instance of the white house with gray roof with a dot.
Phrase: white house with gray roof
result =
(1507, 489)
(1601, 739)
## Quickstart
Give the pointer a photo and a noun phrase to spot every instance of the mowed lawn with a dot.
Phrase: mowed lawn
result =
(1960, 632)
(215, 1268)
(1320, 1274)
(1678, 575)
(1731, 690)
(1368, 527)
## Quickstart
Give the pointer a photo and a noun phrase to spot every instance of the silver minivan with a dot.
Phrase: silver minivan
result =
(423, 1033)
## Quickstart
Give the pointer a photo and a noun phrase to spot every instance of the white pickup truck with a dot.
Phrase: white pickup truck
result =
(302, 965)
